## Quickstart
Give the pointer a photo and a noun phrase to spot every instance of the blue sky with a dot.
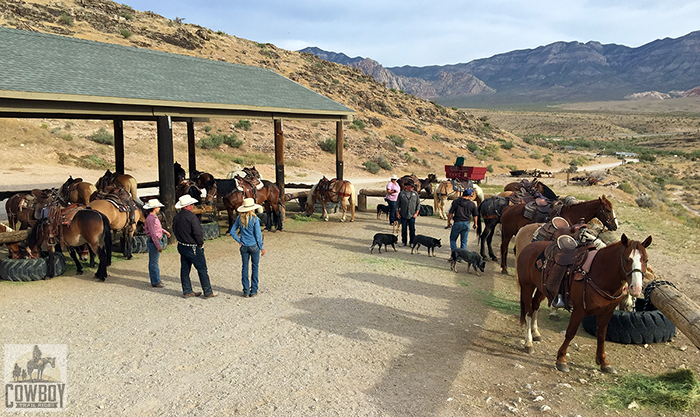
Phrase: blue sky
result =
(420, 33)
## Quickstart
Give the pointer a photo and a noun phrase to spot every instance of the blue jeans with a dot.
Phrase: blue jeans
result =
(153, 268)
(411, 225)
(250, 253)
(392, 210)
(459, 230)
(192, 255)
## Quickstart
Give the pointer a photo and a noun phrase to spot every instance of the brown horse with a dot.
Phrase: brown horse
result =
(445, 190)
(417, 184)
(596, 291)
(24, 209)
(512, 220)
(333, 191)
(427, 184)
(77, 191)
(124, 221)
(268, 196)
(86, 226)
(124, 181)
(206, 181)
(531, 188)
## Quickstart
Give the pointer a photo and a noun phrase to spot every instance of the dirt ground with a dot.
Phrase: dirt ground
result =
(335, 330)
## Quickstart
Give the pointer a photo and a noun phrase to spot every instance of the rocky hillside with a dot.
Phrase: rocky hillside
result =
(391, 128)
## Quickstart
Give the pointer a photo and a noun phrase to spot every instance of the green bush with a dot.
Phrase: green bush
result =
(626, 187)
(357, 124)
(214, 141)
(67, 137)
(489, 168)
(547, 160)
(645, 200)
(435, 137)
(66, 19)
(397, 140)
(328, 145)
(127, 16)
(125, 33)
(414, 149)
(472, 147)
(383, 163)
(507, 145)
(207, 128)
(238, 160)
(243, 124)
(102, 136)
(371, 167)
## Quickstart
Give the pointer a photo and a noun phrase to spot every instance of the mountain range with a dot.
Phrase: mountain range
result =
(558, 72)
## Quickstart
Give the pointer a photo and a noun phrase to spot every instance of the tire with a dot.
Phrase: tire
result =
(638, 327)
(211, 230)
(30, 269)
(425, 210)
(141, 244)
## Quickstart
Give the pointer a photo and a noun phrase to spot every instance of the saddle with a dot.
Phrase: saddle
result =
(38, 202)
(563, 258)
(540, 210)
(557, 227)
(245, 186)
(459, 187)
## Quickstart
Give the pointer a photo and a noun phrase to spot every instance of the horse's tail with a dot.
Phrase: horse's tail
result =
(352, 201)
(107, 239)
(133, 188)
(311, 200)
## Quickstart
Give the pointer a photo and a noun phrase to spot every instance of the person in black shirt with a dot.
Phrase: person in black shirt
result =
(190, 242)
(462, 210)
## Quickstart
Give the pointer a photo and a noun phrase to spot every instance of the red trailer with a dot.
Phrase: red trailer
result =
(462, 173)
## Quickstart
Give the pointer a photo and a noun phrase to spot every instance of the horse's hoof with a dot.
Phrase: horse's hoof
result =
(608, 369)
(563, 366)
(536, 338)
(529, 350)
(554, 317)
(504, 271)
(79, 273)
(493, 258)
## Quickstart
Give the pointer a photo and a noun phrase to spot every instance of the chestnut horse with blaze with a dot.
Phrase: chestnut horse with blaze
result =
(333, 191)
(596, 288)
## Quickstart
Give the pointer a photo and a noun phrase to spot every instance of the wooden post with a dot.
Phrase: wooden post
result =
(119, 146)
(166, 169)
(679, 309)
(191, 153)
(339, 150)
(279, 155)
(361, 201)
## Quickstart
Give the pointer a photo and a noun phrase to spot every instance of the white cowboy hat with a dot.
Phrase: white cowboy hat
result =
(248, 205)
(394, 177)
(153, 203)
(185, 200)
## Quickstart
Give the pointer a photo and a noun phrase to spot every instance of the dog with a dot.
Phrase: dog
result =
(472, 259)
(382, 208)
(384, 239)
(396, 227)
(427, 241)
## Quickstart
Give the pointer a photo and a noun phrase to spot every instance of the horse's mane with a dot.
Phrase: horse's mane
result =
(312, 196)
(225, 187)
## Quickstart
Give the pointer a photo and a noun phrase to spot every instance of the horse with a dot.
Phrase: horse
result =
(596, 292)
(124, 181)
(86, 226)
(23, 209)
(417, 184)
(512, 220)
(76, 191)
(427, 184)
(446, 189)
(125, 221)
(531, 188)
(334, 191)
(180, 173)
(206, 181)
(39, 364)
(268, 197)
(490, 211)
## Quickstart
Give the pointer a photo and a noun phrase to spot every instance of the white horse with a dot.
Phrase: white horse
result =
(444, 190)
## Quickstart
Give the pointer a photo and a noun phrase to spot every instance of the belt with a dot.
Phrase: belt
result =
(187, 244)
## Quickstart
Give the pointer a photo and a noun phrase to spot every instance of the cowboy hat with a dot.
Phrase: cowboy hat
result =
(153, 203)
(185, 200)
(394, 177)
(248, 205)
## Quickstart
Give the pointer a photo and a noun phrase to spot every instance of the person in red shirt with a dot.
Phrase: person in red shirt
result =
(155, 233)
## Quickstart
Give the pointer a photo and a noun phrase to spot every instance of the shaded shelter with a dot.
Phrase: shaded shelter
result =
(51, 76)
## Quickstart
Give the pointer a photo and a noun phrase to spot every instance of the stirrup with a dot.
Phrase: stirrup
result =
(559, 302)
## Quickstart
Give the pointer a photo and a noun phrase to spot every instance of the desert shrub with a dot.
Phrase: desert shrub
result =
(547, 160)
(535, 154)
(505, 144)
(238, 160)
(207, 128)
(243, 124)
(65, 19)
(397, 140)
(489, 168)
(416, 130)
(644, 200)
(414, 149)
(435, 137)
(44, 126)
(88, 161)
(512, 167)
(328, 145)
(647, 157)
(626, 187)
(127, 16)
(214, 141)
(425, 163)
(358, 124)
(383, 163)
(102, 136)
(56, 130)
(371, 167)
(67, 137)
(125, 33)
(68, 125)
(472, 147)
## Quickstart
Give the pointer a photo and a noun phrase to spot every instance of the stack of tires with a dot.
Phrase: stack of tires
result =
(30, 269)
(140, 244)
(211, 230)
(636, 327)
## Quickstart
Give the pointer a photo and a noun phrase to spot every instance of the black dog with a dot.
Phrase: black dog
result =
(472, 259)
(427, 241)
(382, 208)
(384, 239)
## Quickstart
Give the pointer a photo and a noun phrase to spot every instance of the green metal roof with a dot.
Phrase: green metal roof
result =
(54, 69)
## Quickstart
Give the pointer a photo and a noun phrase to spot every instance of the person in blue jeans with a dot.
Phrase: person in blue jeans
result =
(155, 233)
(462, 211)
(246, 231)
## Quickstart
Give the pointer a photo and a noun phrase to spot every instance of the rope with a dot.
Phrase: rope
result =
(645, 304)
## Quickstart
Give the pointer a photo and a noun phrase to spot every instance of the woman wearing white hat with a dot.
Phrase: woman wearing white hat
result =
(250, 242)
(155, 232)
(392, 194)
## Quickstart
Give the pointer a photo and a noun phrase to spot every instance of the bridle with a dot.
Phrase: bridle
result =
(608, 221)
(627, 274)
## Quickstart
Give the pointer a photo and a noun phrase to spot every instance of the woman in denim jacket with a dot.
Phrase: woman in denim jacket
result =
(246, 231)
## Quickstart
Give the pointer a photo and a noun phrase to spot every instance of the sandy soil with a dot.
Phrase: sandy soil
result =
(335, 331)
